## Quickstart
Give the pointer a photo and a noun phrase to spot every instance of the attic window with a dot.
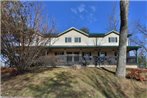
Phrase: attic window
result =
(67, 39)
(112, 39)
(77, 39)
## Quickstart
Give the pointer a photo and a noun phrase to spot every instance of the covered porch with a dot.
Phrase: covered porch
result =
(91, 55)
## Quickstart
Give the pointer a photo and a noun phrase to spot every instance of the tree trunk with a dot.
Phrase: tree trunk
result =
(121, 65)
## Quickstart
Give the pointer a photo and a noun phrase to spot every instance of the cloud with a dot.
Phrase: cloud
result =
(85, 12)
(91, 18)
(81, 8)
(93, 8)
(74, 10)
(81, 17)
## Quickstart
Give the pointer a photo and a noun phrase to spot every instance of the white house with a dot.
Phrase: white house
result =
(74, 46)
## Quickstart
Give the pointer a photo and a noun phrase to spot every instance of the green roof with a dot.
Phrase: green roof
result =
(89, 34)
(69, 47)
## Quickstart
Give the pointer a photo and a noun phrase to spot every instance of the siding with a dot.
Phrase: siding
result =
(85, 40)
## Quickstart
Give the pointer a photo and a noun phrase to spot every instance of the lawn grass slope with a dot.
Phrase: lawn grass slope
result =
(71, 83)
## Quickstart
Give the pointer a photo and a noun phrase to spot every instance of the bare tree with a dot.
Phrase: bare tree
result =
(121, 66)
(21, 39)
(112, 19)
(85, 29)
(140, 30)
(140, 38)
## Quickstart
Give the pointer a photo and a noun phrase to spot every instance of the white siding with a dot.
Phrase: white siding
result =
(85, 40)
(105, 40)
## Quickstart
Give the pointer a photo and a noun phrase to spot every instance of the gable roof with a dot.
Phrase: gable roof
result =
(73, 28)
(113, 31)
(103, 34)
(88, 35)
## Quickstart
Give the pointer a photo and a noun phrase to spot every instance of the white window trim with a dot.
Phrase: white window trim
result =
(67, 41)
(78, 40)
(112, 40)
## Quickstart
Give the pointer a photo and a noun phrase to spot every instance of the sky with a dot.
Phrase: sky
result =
(91, 14)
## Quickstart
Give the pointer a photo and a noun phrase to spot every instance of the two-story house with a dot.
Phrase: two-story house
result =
(73, 46)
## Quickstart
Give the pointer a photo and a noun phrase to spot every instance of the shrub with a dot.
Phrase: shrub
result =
(11, 71)
(76, 66)
(138, 74)
(46, 61)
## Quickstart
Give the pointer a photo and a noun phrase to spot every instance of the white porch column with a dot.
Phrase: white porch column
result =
(80, 53)
(65, 55)
(72, 56)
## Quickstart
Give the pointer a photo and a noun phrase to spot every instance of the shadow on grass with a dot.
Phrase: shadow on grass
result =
(110, 71)
(105, 82)
(58, 87)
(35, 70)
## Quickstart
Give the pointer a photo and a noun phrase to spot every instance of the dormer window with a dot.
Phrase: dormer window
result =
(68, 40)
(112, 39)
(77, 39)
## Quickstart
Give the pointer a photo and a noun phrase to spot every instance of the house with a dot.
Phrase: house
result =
(74, 46)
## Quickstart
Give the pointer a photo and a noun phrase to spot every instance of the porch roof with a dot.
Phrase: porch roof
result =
(99, 47)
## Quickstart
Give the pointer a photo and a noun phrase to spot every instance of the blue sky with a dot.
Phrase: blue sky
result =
(91, 14)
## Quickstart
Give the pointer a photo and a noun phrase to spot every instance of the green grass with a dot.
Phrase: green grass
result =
(70, 83)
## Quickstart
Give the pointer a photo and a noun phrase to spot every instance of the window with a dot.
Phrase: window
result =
(69, 57)
(112, 39)
(59, 53)
(68, 39)
(77, 39)
(69, 53)
(76, 53)
(76, 56)
(86, 54)
(102, 54)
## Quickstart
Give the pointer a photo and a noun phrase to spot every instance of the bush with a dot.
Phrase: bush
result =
(11, 71)
(46, 61)
(76, 66)
(138, 74)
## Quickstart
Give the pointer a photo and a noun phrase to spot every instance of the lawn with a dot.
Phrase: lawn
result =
(71, 83)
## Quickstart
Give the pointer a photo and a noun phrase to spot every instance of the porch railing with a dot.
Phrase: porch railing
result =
(92, 60)
(131, 60)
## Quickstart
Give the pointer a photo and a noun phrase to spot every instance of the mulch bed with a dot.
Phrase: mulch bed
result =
(8, 71)
(139, 74)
